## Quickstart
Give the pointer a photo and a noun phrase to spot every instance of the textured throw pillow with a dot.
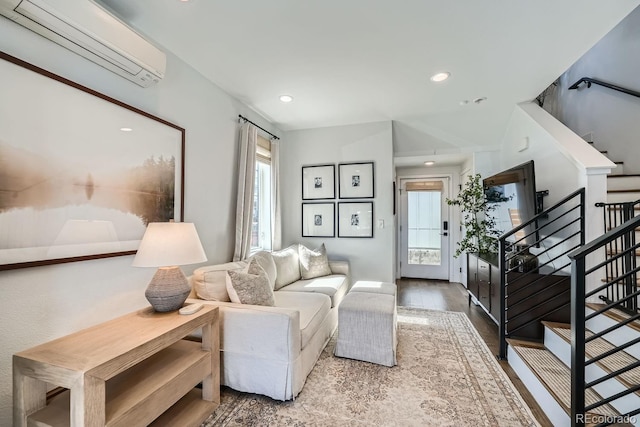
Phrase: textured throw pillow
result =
(265, 260)
(252, 287)
(287, 266)
(210, 282)
(314, 263)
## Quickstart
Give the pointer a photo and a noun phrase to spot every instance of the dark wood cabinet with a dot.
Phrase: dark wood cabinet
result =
(472, 275)
(480, 274)
(532, 296)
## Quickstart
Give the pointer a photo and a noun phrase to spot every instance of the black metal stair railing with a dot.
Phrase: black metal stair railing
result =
(622, 258)
(586, 287)
(529, 295)
(589, 81)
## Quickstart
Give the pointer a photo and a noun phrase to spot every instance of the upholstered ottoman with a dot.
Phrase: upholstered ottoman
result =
(367, 323)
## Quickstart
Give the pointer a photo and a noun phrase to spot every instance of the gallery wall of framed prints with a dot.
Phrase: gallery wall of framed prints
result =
(318, 219)
(356, 180)
(354, 217)
(318, 182)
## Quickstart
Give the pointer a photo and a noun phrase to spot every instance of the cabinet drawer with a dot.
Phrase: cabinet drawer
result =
(484, 294)
(484, 272)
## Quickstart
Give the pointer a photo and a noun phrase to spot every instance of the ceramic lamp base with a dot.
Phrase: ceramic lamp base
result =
(168, 289)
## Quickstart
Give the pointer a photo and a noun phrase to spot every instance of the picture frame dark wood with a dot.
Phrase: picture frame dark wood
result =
(356, 180)
(319, 182)
(355, 219)
(93, 171)
(318, 219)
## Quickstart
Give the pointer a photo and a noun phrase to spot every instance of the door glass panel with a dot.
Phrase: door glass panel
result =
(424, 227)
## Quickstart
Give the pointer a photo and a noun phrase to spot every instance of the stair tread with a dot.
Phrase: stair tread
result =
(556, 324)
(556, 377)
(611, 279)
(525, 343)
(618, 252)
(615, 314)
(617, 208)
(623, 175)
(611, 363)
(609, 229)
(631, 190)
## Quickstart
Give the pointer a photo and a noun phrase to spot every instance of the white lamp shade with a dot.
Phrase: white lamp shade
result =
(168, 244)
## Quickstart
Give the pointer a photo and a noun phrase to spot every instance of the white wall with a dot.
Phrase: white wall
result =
(610, 116)
(39, 304)
(563, 162)
(371, 259)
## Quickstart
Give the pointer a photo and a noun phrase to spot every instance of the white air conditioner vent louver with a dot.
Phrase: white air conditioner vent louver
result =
(87, 29)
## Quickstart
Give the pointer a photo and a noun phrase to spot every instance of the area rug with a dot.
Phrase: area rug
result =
(446, 376)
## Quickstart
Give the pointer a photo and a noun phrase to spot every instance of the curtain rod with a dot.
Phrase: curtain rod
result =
(259, 127)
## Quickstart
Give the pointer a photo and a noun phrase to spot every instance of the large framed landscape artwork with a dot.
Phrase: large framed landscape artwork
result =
(81, 174)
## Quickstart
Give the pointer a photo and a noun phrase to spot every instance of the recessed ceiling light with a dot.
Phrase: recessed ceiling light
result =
(286, 98)
(126, 129)
(429, 163)
(440, 77)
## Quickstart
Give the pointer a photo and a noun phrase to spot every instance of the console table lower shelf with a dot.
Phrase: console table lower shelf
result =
(132, 371)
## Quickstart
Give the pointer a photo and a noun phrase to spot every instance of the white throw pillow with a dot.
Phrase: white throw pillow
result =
(252, 287)
(265, 260)
(287, 266)
(314, 263)
(210, 282)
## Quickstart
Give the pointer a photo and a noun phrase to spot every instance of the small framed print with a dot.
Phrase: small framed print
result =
(318, 182)
(355, 219)
(318, 219)
(356, 180)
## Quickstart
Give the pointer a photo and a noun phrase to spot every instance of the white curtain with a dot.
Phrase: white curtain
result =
(246, 179)
(276, 221)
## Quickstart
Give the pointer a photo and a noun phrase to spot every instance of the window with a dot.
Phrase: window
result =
(261, 227)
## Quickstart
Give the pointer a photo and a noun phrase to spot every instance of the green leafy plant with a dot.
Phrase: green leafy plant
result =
(480, 232)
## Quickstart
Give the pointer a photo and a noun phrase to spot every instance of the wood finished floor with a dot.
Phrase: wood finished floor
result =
(439, 295)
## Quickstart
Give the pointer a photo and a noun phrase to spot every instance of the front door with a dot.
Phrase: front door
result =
(424, 228)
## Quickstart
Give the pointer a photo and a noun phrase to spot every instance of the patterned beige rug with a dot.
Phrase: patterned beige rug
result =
(446, 376)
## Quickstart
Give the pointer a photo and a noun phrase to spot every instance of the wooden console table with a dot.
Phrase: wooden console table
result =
(129, 371)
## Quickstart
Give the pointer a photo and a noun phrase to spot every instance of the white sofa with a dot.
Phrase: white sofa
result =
(271, 350)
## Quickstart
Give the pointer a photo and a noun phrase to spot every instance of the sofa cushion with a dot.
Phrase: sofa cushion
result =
(313, 309)
(252, 287)
(335, 286)
(210, 282)
(314, 263)
(287, 266)
(265, 260)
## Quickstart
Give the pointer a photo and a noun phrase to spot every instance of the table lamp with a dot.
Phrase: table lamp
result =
(168, 245)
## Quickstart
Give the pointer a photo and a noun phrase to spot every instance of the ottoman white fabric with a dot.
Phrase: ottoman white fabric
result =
(367, 323)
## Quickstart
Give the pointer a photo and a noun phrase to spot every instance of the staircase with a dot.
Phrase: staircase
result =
(588, 375)
(546, 370)
(621, 187)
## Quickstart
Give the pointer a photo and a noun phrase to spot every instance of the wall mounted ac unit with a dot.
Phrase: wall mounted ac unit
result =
(91, 31)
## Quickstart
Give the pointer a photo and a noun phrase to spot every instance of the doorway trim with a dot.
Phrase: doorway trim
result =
(454, 220)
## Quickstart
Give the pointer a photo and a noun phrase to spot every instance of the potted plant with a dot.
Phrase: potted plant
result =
(480, 232)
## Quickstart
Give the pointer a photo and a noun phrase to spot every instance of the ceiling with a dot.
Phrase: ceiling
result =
(357, 61)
